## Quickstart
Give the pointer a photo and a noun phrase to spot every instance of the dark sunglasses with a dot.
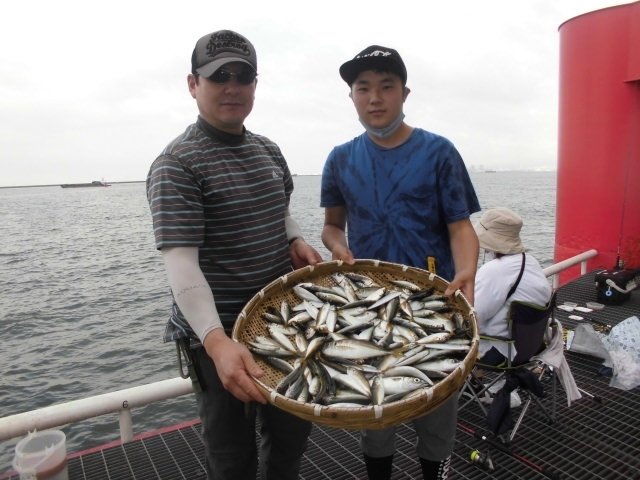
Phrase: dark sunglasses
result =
(245, 77)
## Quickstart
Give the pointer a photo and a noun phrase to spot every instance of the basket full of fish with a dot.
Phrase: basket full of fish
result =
(360, 346)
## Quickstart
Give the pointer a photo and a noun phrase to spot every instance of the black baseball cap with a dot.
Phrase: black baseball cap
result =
(219, 48)
(374, 57)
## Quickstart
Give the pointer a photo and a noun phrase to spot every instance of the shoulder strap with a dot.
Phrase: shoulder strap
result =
(515, 285)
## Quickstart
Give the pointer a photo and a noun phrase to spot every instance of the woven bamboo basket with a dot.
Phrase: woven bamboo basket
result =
(250, 323)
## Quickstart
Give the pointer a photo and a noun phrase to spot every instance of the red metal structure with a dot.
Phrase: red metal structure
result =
(598, 180)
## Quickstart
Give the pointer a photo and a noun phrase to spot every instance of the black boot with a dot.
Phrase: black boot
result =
(435, 470)
(378, 468)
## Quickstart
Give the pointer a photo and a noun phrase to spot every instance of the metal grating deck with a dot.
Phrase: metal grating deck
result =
(592, 439)
(583, 290)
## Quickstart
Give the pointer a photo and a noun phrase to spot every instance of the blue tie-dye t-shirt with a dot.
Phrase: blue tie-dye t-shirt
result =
(399, 201)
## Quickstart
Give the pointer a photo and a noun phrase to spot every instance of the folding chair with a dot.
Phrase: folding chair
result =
(527, 326)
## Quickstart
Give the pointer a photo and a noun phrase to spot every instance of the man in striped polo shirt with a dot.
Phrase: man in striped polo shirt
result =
(219, 197)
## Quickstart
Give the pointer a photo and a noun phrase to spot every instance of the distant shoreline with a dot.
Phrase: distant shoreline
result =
(128, 181)
(293, 174)
(58, 184)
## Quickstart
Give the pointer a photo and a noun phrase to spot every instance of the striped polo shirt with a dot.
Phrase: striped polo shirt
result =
(227, 195)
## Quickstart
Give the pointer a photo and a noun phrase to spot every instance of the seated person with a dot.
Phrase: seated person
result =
(509, 275)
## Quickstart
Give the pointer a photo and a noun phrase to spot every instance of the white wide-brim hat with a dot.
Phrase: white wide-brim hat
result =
(498, 230)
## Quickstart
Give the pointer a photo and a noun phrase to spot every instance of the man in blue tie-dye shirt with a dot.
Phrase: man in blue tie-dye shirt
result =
(406, 197)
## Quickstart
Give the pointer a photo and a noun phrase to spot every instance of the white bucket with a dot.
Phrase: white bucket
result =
(42, 455)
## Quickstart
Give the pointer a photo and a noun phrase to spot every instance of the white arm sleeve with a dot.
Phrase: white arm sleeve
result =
(191, 290)
(292, 228)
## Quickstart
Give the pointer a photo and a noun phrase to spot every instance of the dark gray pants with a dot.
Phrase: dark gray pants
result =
(436, 434)
(229, 432)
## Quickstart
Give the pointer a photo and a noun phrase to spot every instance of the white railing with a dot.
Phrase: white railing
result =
(556, 268)
(122, 401)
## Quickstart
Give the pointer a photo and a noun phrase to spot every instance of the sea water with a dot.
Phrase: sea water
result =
(84, 298)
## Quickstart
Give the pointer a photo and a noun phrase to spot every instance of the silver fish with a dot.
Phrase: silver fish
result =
(332, 298)
(301, 342)
(405, 307)
(366, 334)
(281, 352)
(305, 294)
(405, 333)
(303, 396)
(442, 365)
(402, 384)
(280, 364)
(312, 309)
(459, 320)
(296, 387)
(422, 356)
(273, 315)
(332, 318)
(352, 349)
(347, 398)
(289, 379)
(408, 285)
(363, 280)
(285, 311)
(435, 338)
(355, 380)
(379, 344)
(374, 295)
(347, 286)
(321, 319)
(313, 346)
(281, 337)
(433, 323)
(377, 390)
(436, 305)
(348, 319)
(299, 318)
(407, 371)
(387, 298)
(413, 326)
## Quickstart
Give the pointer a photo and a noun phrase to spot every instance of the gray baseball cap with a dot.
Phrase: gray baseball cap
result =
(219, 48)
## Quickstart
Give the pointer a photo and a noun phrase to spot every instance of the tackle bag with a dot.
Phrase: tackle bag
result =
(614, 287)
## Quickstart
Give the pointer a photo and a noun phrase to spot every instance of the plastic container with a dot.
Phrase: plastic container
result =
(595, 305)
(570, 304)
(42, 455)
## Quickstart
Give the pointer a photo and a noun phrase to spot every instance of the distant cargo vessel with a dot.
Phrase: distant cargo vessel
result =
(95, 183)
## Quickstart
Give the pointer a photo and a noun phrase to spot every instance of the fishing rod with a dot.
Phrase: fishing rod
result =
(487, 462)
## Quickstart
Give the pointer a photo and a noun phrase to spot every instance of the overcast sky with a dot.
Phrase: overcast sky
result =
(95, 90)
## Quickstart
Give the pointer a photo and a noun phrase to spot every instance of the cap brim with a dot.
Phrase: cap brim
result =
(350, 70)
(211, 67)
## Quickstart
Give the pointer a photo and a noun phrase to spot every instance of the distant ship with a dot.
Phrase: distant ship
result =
(95, 183)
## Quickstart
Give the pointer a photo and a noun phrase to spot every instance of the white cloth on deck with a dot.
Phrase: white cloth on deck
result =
(623, 345)
(586, 340)
(554, 355)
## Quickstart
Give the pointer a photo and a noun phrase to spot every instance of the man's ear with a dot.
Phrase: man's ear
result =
(406, 93)
(192, 81)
